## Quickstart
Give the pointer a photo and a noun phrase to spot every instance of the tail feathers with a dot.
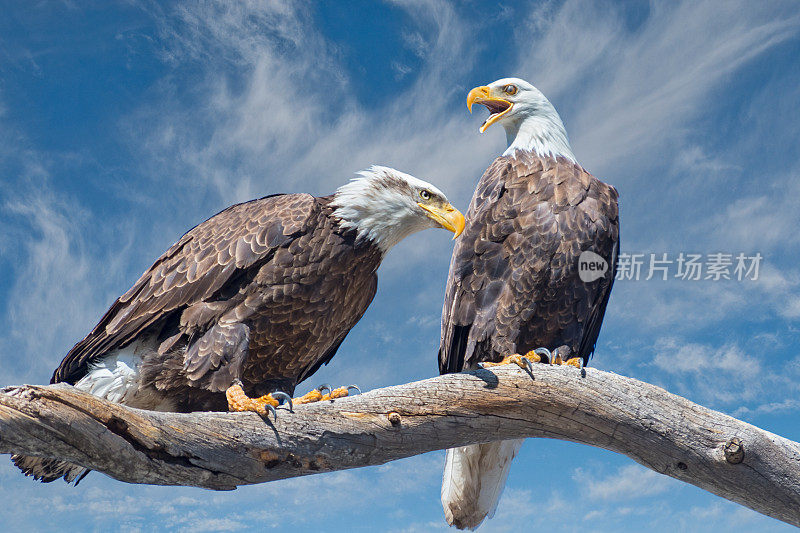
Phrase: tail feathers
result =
(47, 470)
(474, 477)
(112, 378)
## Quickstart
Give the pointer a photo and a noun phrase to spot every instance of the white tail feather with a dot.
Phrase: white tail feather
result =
(474, 477)
(115, 378)
(112, 377)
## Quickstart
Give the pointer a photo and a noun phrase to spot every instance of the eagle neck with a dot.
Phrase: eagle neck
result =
(542, 133)
(365, 235)
(375, 223)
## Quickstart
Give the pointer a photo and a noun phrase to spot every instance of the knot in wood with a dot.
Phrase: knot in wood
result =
(734, 451)
(394, 418)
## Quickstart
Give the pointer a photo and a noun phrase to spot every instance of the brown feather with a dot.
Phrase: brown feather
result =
(513, 284)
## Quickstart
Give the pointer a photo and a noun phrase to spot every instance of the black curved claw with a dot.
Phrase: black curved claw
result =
(283, 397)
(237, 382)
(582, 367)
(323, 387)
(528, 365)
(544, 352)
(354, 387)
(272, 410)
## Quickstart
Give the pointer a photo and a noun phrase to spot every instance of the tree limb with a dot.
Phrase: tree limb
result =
(662, 431)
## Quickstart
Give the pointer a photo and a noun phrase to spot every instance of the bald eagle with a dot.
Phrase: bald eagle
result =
(514, 285)
(254, 299)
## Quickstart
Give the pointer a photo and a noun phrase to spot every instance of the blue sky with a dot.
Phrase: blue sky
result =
(123, 124)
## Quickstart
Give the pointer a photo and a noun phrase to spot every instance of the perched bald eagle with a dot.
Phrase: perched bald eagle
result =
(257, 297)
(514, 285)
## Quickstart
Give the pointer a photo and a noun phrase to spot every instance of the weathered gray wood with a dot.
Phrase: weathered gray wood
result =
(663, 432)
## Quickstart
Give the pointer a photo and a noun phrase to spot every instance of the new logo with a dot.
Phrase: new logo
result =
(591, 266)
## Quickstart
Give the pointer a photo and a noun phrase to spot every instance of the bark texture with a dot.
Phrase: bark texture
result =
(221, 451)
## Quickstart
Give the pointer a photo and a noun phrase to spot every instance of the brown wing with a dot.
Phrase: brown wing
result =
(513, 284)
(310, 295)
(205, 261)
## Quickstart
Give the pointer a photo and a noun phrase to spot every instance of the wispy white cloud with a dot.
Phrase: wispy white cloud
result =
(298, 503)
(628, 483)
(783, 406)
(766, 221)
(735, 377)
(654, 78)
(675, 358)
(56, 293)
(291, 120)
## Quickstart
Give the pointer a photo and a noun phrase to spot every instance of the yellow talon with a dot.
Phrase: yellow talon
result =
(239, 401)
(317, 396)
(504, 361)
(533, 357)
(341, 392)
(575, 361)
(310, 397)
(516, 359)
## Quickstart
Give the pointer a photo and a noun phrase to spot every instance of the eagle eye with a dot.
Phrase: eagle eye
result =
(510, 89)
(424, 194)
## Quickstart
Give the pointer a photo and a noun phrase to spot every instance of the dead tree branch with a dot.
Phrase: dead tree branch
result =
(663, 432)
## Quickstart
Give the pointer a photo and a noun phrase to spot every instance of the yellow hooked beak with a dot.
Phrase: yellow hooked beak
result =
(448, 217)
(496, 106)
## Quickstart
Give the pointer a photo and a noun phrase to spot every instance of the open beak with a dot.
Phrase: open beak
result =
(497, 106)
(448, 217)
